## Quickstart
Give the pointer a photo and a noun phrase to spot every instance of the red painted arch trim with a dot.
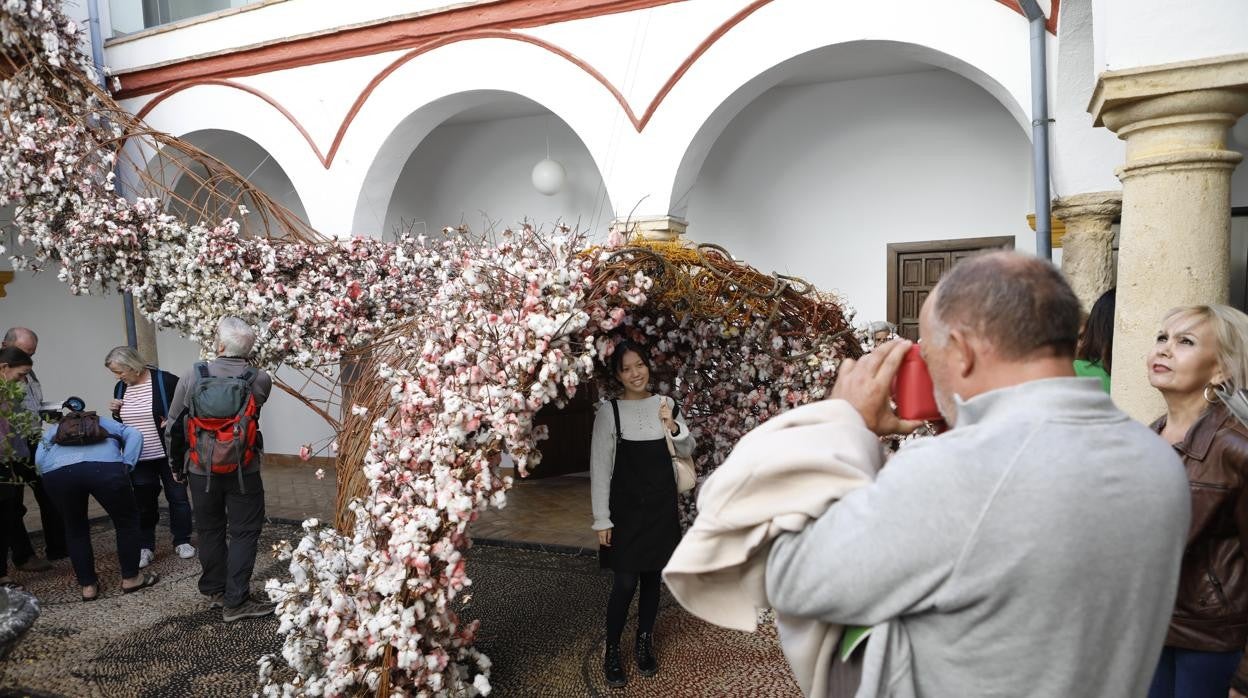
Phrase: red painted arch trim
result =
(484, 34)
(1051, 23)
(693, 57)
(639, 123)
(147, 108)
(377, 37)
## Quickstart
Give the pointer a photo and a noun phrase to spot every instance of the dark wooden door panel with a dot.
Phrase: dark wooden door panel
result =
(571, 429)
(915, 268)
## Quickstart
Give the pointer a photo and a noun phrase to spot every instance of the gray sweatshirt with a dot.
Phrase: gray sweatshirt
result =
(1033, 550)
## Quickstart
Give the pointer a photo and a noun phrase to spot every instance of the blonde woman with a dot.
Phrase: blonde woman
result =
(1198, 349)
(141, 400)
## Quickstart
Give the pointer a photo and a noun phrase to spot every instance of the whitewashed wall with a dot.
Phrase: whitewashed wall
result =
(75, 333)
(816, 180)
(477, 173)
(1139, 33)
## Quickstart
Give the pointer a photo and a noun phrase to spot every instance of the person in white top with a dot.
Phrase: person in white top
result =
(633, 487)
(141, 400)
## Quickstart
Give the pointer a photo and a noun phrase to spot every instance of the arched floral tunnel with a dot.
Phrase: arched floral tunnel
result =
(443, 348)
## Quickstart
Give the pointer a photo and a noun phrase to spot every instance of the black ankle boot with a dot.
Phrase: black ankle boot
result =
(613, 668)
(647, 665)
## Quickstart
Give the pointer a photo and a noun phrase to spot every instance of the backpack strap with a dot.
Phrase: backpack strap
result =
(199, 371)
(615, 408)
(159, 378)
(119, 390)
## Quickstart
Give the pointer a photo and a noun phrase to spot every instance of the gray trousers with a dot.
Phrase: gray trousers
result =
(228, 521)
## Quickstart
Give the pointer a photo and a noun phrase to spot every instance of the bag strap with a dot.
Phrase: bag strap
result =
(615, 407)
(667, 435)
(202, 368)
(159, 378)
(119, 390)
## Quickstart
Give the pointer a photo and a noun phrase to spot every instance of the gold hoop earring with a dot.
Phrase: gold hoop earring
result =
(1211, 387)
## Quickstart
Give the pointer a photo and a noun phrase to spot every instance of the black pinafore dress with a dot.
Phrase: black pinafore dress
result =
(643, 504)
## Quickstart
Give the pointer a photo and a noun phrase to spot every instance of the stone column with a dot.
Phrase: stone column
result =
(663, 228)
(145, 335)
(1088, 244)
(1175, 235)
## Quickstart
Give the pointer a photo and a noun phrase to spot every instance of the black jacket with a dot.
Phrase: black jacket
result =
(163, 385)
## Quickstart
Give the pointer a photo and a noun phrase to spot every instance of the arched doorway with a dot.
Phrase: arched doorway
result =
(853, 147)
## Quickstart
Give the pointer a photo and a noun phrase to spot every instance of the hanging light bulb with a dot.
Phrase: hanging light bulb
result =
(548, 177)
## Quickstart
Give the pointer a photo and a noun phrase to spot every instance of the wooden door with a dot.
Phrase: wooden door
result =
(918, 273)
(915, 267)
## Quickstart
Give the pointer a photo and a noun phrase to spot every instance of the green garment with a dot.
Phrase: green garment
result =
(1092, 369)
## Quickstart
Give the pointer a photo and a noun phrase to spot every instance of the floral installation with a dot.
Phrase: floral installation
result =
(447, 345)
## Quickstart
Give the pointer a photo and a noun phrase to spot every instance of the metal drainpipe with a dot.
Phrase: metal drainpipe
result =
(97, 57)
(1040, 126)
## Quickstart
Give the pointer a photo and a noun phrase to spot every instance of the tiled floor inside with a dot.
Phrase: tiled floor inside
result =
(554, 510)
(550, 511)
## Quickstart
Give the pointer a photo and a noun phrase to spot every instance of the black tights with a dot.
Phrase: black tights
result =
(622, 590)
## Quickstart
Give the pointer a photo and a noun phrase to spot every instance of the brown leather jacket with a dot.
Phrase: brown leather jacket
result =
(1211, 611)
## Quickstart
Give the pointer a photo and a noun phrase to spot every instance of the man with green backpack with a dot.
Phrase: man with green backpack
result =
(215, 444)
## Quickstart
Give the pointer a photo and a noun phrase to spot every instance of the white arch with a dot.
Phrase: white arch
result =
(985, 42)
(213, 107)
(434, 86)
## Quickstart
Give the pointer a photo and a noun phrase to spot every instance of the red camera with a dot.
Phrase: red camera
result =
(913, 391)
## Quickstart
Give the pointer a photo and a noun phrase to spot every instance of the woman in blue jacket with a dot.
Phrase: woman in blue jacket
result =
(141, 400)
(101, 470)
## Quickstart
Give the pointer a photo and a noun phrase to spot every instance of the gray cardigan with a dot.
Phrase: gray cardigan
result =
(1033, 550)
(639, 421)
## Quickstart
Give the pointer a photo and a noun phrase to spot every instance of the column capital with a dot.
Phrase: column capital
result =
(662, 228)
(1119, 88)
(1099, 204)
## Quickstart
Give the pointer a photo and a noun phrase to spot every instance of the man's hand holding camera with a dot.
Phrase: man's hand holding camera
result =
(867, 385)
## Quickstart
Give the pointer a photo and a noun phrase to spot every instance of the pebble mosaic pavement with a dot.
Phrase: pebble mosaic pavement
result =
(541, 616)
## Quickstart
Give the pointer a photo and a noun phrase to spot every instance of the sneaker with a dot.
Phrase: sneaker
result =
(216, 600)
(146, 557)
(185, 551)
(35, 564)
(251, 608)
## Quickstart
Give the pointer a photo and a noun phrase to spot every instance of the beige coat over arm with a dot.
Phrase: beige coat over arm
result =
(780, 476)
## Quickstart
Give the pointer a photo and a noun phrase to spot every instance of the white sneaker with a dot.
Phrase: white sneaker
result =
(146, 557)
(185, 551)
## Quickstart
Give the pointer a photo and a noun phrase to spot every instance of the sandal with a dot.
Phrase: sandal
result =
(86, 598)
(149, 578)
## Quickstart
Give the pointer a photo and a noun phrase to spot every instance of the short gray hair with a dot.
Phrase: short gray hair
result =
(235, 336)
(1022, 305)
(125, 357)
